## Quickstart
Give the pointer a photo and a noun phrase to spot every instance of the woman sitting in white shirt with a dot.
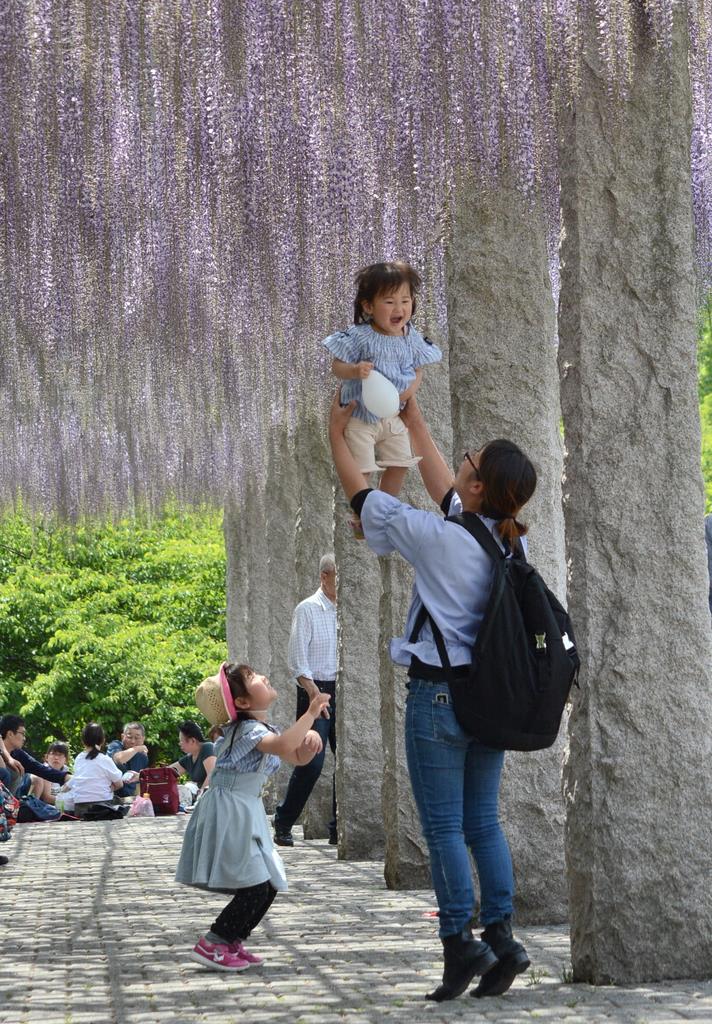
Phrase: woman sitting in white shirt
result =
(96, 777)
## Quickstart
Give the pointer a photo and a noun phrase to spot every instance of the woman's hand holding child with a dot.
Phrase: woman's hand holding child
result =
(411, 414)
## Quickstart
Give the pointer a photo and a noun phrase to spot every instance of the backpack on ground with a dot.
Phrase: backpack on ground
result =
(103, 810)
(524, 660)
(34, 809)
(161, 785)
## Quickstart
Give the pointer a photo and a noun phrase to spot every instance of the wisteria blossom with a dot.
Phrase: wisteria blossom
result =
(188, 188)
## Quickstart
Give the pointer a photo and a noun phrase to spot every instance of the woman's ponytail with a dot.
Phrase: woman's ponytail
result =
(510, 530)
(93, 736)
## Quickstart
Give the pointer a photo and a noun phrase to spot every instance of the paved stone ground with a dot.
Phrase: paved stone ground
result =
(96, 932)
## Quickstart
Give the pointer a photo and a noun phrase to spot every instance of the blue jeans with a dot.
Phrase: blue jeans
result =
(455, 783)
(21, 784)
(304, 777)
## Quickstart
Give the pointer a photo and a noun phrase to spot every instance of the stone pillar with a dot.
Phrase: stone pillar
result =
(638, 784)
(258, 589)
(314, 538)
(236, 578)
(276, 574)
(504, 383)
(359, 759)
(280, 580)
(407, 865)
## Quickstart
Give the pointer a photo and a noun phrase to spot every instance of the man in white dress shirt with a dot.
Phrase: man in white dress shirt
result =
(312, 664)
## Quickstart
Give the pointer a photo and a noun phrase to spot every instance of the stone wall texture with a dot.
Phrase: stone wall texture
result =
(236, 572)
(282, 502)
(314, 537)
(639, 829)
(504, 383)
(258, 589)
(359, 757)
(407, 865)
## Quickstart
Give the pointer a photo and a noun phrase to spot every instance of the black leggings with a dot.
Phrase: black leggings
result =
(244, 912)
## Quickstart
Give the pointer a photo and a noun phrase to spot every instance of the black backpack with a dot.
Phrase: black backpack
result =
(513, 694)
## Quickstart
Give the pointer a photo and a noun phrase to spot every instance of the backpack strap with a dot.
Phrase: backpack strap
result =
(471, 522)
(422, 617)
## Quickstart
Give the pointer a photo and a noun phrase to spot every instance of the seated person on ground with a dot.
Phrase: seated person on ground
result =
(96, 778)
(57, 757)
(8, 765)
(198, 758)
(129, 754)
(13, 732)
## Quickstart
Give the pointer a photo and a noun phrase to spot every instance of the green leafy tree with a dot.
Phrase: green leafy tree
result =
(110, 622)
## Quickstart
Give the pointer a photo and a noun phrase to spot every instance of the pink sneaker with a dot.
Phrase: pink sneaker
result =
(218, 956)
(245, 954)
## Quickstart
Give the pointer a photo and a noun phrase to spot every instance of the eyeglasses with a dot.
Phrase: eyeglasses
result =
(477, 472)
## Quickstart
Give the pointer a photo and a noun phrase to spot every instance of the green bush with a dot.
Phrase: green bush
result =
(110, 622)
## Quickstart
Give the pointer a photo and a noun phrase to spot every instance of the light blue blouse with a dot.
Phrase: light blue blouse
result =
(397, 357)
(237, 749)
(453, 574)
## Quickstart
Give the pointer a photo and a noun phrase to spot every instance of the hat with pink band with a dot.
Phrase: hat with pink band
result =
(214, 699)
(227, 694)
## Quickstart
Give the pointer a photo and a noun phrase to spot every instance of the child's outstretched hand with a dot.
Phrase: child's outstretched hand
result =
(362, 369)
(318, 704)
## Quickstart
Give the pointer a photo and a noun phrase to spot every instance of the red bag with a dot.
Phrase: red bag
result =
(161, 786)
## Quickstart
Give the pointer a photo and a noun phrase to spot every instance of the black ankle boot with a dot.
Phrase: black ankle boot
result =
(511, 955)
(464, 958)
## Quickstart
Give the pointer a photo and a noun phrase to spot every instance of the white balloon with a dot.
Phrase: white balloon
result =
(379, 396)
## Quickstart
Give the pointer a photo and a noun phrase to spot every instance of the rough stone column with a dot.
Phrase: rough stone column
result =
(258, 591)
(236, 578)
(280, 580)
(407, 865)
(504, 383)
(277, 576)
(359, 758)
(314, 538)
(638, 784)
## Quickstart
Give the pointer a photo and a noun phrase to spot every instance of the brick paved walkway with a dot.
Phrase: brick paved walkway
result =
(95, 931)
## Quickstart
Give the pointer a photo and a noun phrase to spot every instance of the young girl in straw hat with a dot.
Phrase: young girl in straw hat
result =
(228, 845)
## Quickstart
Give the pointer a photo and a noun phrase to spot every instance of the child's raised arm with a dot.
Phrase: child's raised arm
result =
(293, 737)
(351, 371)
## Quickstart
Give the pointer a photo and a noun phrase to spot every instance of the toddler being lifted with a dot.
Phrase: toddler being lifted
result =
(381, 338)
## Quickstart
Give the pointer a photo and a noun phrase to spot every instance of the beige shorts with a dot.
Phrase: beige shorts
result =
(379, 445)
